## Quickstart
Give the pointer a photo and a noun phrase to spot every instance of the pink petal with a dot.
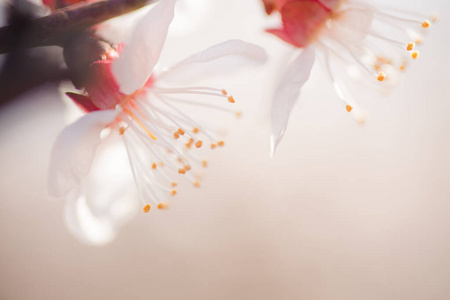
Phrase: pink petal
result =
(74, 151)
(84, 102)
(302, 20)
(269, 5)
(102, 87)
(142, 52)
(288, 93)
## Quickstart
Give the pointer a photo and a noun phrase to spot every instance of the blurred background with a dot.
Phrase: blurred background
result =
(342, 212)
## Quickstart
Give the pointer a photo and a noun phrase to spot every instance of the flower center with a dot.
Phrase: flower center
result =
(159, 137)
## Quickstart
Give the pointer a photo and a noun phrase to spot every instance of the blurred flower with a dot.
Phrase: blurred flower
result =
(370, 45)
(125, 99)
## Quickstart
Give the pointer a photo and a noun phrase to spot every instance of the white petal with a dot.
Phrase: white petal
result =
(288, 93)
(190, 15)
(83, 224)
(104, 201)
(142, 52)
(218, 59)
(74, 151)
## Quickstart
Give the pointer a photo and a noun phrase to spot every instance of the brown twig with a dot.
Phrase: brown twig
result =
(52, 30)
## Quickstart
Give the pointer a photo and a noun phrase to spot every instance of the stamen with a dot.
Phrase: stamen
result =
(239, 114)
(410, 46)
(187, 167)
(186, 118)
(173, 192)
(231, 99)
(196, 130)
(189, 144)
(121, 130)
(154, 166)
(381, 76)
(198, 144)
(147, 208)
(181, 171)
(190, 90)
(174, 184)
(133, 171)
(160, 205)
(149, 133)
(401, 19)
(224, 92)
(176, 135)
(426, 24)
(181, 131)
(415, 54)
(221, 143)
(204, 164)
(349, 108)
(213, 146)
(196, 184)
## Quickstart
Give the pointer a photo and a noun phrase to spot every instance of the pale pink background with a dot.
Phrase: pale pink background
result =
(341, 212)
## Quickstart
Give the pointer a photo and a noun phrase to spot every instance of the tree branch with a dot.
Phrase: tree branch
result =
(52, 30)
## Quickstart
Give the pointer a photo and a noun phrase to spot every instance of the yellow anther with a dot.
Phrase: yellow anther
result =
(176, 135)
(402, 67)
(410, 46)
(239, 114)
(349, 108)
(147, 208)
(199, 143)
(121, 130)
(434, 18)
(189, 144)
(196, 184)
(204, 164)
(180, 131)
(224, 92)
(195, 130)
(154, 166)
(231, 99)
(174, 184)
(426, 24)
(381, 76)
(160, 205)
(213, 146)
(181, 171)
(187, 167)
(221, 144)
(415, 54)
(418, 41)
(173, 192)
(161, 164)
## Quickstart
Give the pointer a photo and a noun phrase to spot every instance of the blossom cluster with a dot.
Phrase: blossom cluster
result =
(127, 97)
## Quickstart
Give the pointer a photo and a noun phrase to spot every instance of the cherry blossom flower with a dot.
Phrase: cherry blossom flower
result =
(365, 43)
(125, 98)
